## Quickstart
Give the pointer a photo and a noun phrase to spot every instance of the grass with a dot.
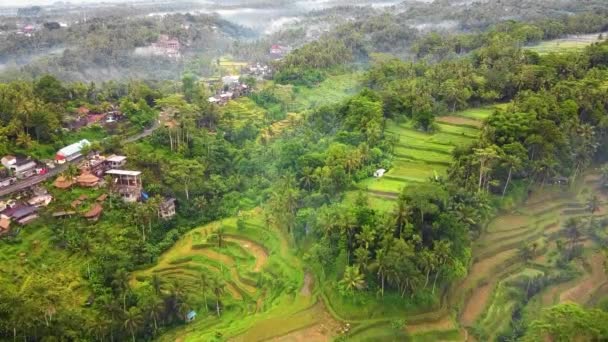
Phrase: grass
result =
(573, 43)
(332, 90)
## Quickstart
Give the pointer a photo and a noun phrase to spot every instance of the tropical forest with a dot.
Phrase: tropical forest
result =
(307, 170)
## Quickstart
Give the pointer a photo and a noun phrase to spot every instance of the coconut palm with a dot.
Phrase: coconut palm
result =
(156, 283)
(133, 321)
(352, 279)
(204, 281)
(218, 286)
(155, 309)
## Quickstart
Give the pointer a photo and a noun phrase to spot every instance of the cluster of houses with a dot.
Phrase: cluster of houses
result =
(232, 88)
(279, 51)
(166, 46)
(259, 71)
(17, 168)
(23, 211)
(85, 117)
(94, 171)
(127, 184)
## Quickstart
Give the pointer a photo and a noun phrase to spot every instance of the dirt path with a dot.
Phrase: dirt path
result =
(443, 324)
(308, 285)
(584, 289)
(476, 304)
(260, 254)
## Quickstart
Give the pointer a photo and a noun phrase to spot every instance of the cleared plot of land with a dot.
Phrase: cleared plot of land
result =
(571, 43)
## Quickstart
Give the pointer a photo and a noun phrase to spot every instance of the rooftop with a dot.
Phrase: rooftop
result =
(23, 212)
(123, 173)
(116, 159)
(74, 148)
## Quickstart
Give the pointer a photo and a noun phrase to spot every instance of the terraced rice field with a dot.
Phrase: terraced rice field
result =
(497, 262)
(420, 156)
(241, 111)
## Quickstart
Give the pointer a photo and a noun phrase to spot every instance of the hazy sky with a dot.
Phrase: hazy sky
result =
(15, 3)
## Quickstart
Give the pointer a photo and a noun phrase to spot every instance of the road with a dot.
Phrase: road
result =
(31, 181)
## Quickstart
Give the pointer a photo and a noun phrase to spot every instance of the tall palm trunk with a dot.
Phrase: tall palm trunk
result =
(435, 281)
(504, 191)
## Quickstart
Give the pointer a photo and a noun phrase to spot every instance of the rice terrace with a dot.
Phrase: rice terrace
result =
(304, 171)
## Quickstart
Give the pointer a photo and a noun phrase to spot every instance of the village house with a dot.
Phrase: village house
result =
(115, 162)
(379, 173)
(71, 152)
(279, 51)
(19, 167)
(167, 46)
(127, 184)
(166, 209)
(24, 215)
(95, 165)
(259, 70)
(40, 200)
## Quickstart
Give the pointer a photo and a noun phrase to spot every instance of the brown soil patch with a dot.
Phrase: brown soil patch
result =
(323, 331)
(261, 257)
(457, 120)
(445, 323)
(508, 222)
(476, 304)
(583, 291)
(486, 265)
(233, 291)
(308, 285)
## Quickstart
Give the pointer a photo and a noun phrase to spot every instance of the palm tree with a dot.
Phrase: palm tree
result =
(133, 320)
(155, 309)
(442, 251)
(219, 286)
(352, 279)
(428, 263)
(366, 236)
(220, 236)
(70, 173)
(204, 281)
(156, 283)
(403, 212)
(573, 232)
(381, 266)
(121, 282)
(307, 178)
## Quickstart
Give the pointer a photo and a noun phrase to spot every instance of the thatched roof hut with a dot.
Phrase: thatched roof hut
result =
(87, 180)
(62, 183)
(94, 213)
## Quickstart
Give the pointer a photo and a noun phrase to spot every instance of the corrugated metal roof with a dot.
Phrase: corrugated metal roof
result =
(74, 148)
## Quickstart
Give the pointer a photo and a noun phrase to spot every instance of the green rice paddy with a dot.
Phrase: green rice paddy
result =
(420, 156)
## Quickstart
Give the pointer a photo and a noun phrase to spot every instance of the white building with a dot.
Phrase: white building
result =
(114, 161)
(71, 152)
(379, 173)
